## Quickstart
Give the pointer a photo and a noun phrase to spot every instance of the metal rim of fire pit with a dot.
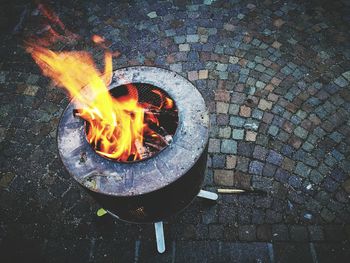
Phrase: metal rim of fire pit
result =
(102, 175)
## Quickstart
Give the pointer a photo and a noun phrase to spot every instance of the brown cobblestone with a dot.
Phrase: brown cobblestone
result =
(231, 161)
(222, 95)
(223, 177)
(245, 111)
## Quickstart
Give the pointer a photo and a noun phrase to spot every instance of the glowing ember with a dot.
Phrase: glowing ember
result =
(122, 127)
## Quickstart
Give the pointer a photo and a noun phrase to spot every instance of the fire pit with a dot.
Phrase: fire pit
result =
(164, 171)
(135, 139)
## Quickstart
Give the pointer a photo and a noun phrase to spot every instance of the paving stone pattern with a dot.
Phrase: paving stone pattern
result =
(276, 79)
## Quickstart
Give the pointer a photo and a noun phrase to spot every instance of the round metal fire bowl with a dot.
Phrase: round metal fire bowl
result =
(184, 158)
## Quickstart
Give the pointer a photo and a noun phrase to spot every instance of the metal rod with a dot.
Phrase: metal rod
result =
(112, 214)
(158, 227)
(208, 195)
(230, 191)
(240, 191)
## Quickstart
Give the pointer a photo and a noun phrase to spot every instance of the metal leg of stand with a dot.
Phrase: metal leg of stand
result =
(208, 195)
(158, 227)
(113, 215)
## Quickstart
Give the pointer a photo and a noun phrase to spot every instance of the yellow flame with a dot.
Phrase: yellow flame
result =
(115, 124)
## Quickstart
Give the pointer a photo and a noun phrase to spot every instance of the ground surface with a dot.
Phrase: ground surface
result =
(275, 76)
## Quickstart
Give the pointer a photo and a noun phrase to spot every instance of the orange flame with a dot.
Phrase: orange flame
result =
(97, 39)
(116, 126)
(53, 29)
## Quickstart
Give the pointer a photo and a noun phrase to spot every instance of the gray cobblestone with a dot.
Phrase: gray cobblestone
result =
(229, 146)
(247, 233)
(238, 134)
(302, 169)
(298, 233)
(280, 232)
(278, 96)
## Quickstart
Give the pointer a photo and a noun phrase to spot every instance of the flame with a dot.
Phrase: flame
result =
(116, 126)
(55, 30)
(97, 39)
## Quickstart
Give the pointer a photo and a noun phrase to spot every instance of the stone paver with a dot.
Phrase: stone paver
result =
(279, 99)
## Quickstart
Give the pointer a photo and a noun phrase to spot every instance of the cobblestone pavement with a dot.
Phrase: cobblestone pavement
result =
(275, 76)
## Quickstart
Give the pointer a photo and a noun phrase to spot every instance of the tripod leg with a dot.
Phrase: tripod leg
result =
(207, 195)
(158, 227)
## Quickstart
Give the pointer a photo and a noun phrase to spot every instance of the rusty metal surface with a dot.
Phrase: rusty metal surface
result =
(160, 204)
(123, 179)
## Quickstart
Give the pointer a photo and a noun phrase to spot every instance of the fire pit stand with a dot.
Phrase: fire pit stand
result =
(158, 226)
(151, 189)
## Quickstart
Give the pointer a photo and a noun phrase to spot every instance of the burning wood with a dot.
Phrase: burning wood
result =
(161, 112)
(155, 146)
(154, 135)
